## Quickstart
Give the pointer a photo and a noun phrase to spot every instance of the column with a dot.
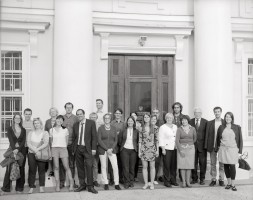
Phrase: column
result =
(213, 56)
(73, 42)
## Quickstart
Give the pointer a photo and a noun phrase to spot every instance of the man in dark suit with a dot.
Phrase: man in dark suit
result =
(211, 134)
(84, 148)
(199, 124)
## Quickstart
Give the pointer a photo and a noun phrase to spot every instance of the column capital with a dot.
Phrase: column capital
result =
(104, 45)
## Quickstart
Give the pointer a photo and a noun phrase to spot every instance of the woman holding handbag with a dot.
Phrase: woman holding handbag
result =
(37, 140)
(59, 142)
(17, 136)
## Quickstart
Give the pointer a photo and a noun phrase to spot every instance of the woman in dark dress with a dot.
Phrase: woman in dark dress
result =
(17, 137)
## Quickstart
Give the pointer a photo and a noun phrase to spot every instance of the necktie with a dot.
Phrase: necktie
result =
(197, 124)
(81, 137)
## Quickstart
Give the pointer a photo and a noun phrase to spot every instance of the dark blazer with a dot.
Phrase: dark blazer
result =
(238, 136)
(107, 139)
(201, 133)
(20, 140)
(123, 136)
(210, 133)
(90, 136)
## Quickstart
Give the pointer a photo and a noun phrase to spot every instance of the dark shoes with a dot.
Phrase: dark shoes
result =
(81, 188)
(174, 183)
(117, 187)
(234, 188)
(213, 183)
(188, 185)
(131, 185)
(228, 187)
(202, 182)
(221, 183)
(160, 179)
(194, 181)
(95, 183)
(75, 185)
(126, 186)
(62, 185)
(106, 187)
(92, 190)
(167, 185)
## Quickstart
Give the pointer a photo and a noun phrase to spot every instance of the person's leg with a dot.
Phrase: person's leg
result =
(89, 159)
(227, 172)
(110, 171)
(183, 172)
(7, 182)
(71, 160)
(221, 171)
(202, 164)
(125, 160)
(32, 170)
(136, 169)
(62, 174)
(233, 174)
(21, 181)
(79, 157)
(157, 165)
(195, 170)
(166, 168)
(173, 167)
(120, 168)
(95, 168)
(188, 177)
(152, 173)
(113, 159)
(213, 160)
(56, 173)
(132, 163)
(42, 174)
(65, 162)
(103, 162)
(145, 173)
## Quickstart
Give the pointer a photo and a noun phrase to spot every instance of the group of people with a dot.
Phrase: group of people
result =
(166, 147)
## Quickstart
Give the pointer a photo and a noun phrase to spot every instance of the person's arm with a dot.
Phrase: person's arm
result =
(207, 134)
(140, 142)
(67, 136)
(240, 146)
(194, 135)
(177, 140)
(100, 142)
(10, 134)
(218, 138)
(22, 144)
(115, 140)
(157, 141)
(45, 141)
(120, 137)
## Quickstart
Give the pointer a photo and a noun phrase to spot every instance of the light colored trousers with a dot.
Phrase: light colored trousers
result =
(213, 171)
(104, 164)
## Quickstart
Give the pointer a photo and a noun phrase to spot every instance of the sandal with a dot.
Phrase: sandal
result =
(228, 187)
(234, 188)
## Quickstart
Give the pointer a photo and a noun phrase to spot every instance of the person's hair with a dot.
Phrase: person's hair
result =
(133, 113)
(197, 108)
(216, 108)
(60, 117)
(155, 109)
(80, 110)
(53, 108)
(28, 110)
(231, 115)
(107, 114)
(167, 115)
(39, 120)
(100, 100)
(130, 117)
(118, 109)
(145, 122)
(153, 116)
(69, 103)
(93, 114)
(185, 117)
(21, 119)
(179, 104)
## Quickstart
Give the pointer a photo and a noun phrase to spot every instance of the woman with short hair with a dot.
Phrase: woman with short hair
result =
(37, 140)
(229, 144)
(167, 138)
(185, 138)
(17, 137)
(59, 142)
(107, 148)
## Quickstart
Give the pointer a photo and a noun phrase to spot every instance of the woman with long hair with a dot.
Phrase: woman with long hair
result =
(17, 137)
(148, 148)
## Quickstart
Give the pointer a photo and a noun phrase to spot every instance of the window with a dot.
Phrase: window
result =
(250, 97)
(12, 90)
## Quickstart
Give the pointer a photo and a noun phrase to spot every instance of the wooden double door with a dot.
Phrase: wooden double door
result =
(141, 83)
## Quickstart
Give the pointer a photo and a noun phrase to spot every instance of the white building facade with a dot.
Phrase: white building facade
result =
(128, 53)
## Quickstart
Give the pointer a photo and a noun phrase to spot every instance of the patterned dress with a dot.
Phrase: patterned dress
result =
(148, 140)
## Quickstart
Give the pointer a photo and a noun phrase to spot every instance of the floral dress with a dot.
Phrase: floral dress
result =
(148, 140)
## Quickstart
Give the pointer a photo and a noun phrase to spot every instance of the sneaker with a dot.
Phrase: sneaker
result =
(234, 188)
(117, 187)
(152, 187)
(213, 183)
(155, 182)
(95, 183)
(228, 187)
(145, 186)
(106, 187)
(221, 183)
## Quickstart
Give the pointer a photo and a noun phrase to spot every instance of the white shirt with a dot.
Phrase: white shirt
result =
(59, 137)
(80, 127)
(100, 120)
(129, 139)
(167, 136)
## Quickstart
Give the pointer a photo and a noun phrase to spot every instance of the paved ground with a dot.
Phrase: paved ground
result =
(245, 192)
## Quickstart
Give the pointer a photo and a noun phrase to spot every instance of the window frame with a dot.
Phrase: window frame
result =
(25, 93)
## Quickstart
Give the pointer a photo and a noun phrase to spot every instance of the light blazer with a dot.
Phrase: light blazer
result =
(201, 133)
(210, 132)
(123, 136)
(90, 136)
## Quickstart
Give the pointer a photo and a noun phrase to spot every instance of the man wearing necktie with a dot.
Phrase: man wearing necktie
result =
(84, 147)
(200, 153)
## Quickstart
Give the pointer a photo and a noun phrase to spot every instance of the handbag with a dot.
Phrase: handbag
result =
(43, 155)
(243, 164)
(15, 171)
